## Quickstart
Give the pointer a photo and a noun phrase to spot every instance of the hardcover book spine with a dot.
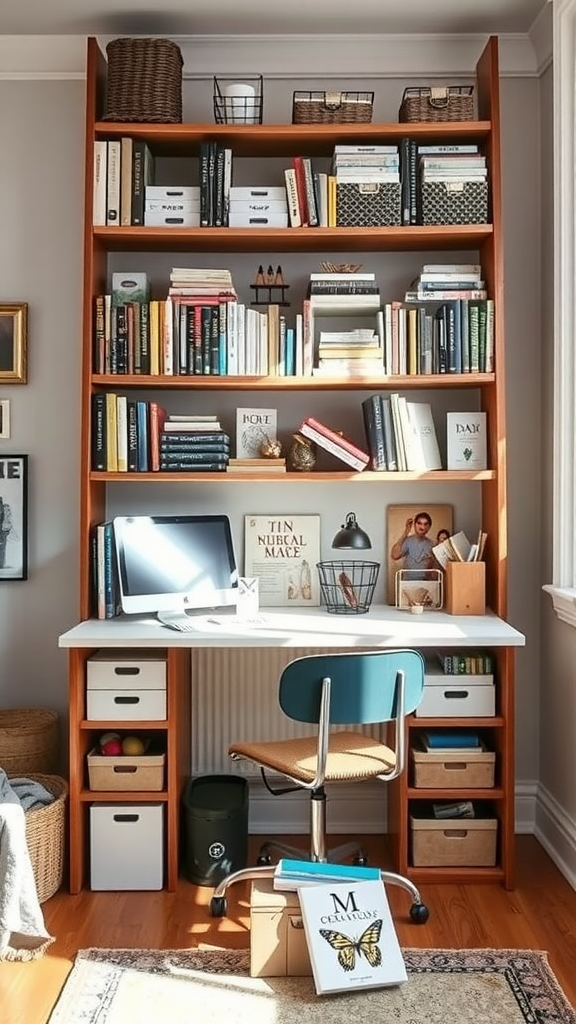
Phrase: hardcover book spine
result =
(99, 432)
(292, 197)
(99, 348)
(126, 147)
(113, 185)
(132, 438)
(331, 446)
(204, 185)
(310, 193)
(373, 425)
(301, 189)
(343, 442)
(99, 183)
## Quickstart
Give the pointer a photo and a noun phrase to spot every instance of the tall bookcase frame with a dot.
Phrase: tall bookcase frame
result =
(274, 141)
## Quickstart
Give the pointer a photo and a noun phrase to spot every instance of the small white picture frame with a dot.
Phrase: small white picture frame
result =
(5, 418)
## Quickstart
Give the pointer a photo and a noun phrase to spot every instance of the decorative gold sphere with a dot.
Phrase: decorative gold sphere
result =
(302, 454)
(271, 448)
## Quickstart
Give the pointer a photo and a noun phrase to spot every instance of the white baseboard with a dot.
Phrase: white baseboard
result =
(556, 832)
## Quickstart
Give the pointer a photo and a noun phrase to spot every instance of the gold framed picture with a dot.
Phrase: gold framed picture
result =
(412, 532)
(13, 342)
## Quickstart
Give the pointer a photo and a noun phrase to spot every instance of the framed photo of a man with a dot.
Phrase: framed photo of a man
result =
(13, 342)
(13, 517)
(412, 532)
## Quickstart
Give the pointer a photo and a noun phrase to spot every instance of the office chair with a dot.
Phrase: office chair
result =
(349, 689)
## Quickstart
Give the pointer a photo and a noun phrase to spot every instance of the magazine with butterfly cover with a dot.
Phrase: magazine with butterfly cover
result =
(351, 937)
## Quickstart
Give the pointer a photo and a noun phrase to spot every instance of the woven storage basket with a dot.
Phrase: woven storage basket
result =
(45, 834)
(28, 740)
(144, 81)
(332, 107)
(446, 103)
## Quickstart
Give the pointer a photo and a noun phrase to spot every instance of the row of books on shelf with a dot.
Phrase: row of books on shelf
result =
(200, 328)
(131, 436)
(125, 192)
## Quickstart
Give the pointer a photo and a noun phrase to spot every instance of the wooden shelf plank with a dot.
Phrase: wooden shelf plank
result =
(336, 477)
(207, 383)
(363, 239)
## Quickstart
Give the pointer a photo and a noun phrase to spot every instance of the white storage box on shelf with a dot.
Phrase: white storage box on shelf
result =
(172, 194)
(126, 686)
(459, 696)
(126, 846)
(258, 207)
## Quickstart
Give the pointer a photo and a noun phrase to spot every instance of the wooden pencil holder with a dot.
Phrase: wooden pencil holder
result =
(465, 588)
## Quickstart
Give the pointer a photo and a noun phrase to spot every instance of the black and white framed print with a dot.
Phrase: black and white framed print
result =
(13, 517)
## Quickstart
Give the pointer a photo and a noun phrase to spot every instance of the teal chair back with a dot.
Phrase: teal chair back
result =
(363, 686)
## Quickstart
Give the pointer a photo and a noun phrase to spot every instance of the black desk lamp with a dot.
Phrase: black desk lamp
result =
(351, 535)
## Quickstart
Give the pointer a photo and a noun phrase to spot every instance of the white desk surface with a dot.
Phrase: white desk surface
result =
(382, 626)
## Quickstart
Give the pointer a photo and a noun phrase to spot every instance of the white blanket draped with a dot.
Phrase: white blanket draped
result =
(23, 934)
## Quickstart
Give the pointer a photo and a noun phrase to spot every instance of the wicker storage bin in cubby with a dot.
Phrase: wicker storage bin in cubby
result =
(28, 740)
(45, 834)
(144, 81)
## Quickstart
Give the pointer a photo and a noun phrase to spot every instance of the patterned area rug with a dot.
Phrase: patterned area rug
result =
(477, 986)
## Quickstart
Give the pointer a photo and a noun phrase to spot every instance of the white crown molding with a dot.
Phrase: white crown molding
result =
(293, 57)
(541, 35)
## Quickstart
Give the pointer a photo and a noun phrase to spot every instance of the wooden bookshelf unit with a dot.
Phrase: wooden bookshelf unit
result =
(100, 243)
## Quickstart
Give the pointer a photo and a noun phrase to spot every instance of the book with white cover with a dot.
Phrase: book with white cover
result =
(282, 552)
(253, 428)
(466, 440)
(425, 442)
(351, 937)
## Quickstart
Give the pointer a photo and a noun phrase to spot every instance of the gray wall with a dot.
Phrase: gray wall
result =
(41, 208)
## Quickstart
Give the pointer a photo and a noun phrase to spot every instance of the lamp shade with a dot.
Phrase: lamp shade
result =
(351, 535)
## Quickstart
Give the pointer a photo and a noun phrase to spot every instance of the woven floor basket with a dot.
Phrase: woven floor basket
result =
(45, 835)
(424, 105)
(28, 740)
(144, 81)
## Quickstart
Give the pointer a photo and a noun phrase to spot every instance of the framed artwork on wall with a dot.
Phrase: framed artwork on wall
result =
(13, 342)
(13, 517)
(412, 531)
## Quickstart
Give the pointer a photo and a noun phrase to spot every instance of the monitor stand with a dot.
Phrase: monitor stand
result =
(176, 619)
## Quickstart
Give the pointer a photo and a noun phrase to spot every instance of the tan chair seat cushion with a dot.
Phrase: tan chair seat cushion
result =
(351, 755)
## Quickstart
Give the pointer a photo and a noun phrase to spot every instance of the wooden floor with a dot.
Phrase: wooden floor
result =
(539, 914)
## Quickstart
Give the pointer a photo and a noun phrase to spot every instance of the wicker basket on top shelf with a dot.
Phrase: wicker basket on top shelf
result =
(144, 81)
(437, 103)
(332, 107)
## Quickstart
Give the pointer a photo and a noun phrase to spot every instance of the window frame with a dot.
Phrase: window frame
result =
(563, 586)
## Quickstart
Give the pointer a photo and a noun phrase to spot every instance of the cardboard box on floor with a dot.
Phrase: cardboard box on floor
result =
(277, 941)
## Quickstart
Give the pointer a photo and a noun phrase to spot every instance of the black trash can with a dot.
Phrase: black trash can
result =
(215, 827)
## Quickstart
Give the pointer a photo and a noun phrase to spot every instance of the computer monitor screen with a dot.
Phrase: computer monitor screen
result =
(172, 563)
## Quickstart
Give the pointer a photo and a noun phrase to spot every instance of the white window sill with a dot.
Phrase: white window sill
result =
(564, 600)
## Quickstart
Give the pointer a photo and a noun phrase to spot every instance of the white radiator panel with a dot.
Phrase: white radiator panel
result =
(235, 699)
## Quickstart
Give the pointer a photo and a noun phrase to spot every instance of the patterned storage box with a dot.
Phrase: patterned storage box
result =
(367, 205)
(463, 202)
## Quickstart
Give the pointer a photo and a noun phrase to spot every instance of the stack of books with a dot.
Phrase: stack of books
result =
(344, 293)
(349, 353)
(335, 443)
(438, 281)
(193, 444)
(272, 467)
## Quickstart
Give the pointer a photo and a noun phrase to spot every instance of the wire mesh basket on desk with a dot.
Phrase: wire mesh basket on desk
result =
(347, 588)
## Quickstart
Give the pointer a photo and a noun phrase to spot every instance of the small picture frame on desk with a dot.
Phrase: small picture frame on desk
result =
(13, 517)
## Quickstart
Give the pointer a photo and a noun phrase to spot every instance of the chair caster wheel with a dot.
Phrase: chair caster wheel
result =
(419, 913)
(218, 906)
(263, 860)
(361, 860)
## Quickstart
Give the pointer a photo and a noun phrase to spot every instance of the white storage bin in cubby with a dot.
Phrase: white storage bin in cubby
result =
(126, 686)
(126, 846)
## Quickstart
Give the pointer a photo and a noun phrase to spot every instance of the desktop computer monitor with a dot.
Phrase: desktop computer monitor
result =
(175, 562)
